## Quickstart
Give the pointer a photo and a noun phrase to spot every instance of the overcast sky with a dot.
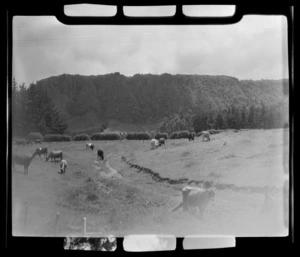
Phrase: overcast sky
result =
(254, 48)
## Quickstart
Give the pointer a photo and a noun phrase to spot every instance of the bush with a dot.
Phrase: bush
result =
(138, 136)
(81, 137)
(56, 138)
(161, 135)
(34, 135)
(105, 136)
(180, 134)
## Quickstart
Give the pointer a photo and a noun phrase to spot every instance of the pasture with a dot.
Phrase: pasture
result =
(117, 199)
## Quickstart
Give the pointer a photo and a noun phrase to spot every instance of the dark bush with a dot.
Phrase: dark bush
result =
(56, 138)
(161, 135)
(81, 137)
(105, 136)
(180, 134)
(138, 136)
(34, 136)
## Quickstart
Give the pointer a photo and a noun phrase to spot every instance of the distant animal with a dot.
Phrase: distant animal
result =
(63, 166)
(22, 160)
(53, 155)
(20, 142)
(161, 141)
(206, 135)
(100, 154)
(39, 151)
(154, 143)
(38, 141)
(89, 146)
(190, 136)
(194, 197)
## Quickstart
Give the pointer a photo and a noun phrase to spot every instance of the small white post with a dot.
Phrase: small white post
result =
(84, 226)
(56, 222)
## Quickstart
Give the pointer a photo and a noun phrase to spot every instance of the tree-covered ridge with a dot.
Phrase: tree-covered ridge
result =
(177, 102)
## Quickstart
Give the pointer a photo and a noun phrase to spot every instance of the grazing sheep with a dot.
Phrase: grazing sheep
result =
(63, 166)
(89, 146)
(206, 135)
(22, 160)
(55, 155)
(100, 154)
(39, 151)
(154, 143)
(194, 197)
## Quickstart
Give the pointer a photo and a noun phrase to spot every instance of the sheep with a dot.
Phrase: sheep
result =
(54, 155)
(22, 160)
(194, 197)
(206, 135)
(63, 166)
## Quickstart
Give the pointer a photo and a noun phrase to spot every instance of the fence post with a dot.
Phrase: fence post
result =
(56, 222)
(84, 226)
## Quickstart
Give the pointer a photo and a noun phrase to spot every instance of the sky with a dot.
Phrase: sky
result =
(254, 48)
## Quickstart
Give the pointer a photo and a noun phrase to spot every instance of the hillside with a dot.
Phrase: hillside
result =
(88, 101)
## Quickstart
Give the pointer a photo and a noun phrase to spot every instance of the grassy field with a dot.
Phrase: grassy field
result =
(116, 199)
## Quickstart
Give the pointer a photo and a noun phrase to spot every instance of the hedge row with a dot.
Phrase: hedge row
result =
(138, 136)
(161, 135)
(56, 138)
(34, 136)
(180, 134)
(81, 137)
(105, 136)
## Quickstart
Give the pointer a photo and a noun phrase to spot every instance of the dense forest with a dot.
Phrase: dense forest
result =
(177, 102)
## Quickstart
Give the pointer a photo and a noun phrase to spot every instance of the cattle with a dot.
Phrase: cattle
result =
(53, 155)
(100, 154)
(190, 136)
(205, 134)
(161, 141)
(63, 166)
(194, 197)
(39, 151)
(154, 143)
(22, 160)
(89, 146)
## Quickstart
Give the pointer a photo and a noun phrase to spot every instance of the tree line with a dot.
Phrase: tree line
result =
(253, 117)
(33, 110)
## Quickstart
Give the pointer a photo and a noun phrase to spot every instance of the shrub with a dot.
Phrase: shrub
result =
(81, 137)
(34, 135)
(105, 136)
(180, 134)
(161, 135)
(56, 138)
(138, 136)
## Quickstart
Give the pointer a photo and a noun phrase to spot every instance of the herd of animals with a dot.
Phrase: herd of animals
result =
(191, 196)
